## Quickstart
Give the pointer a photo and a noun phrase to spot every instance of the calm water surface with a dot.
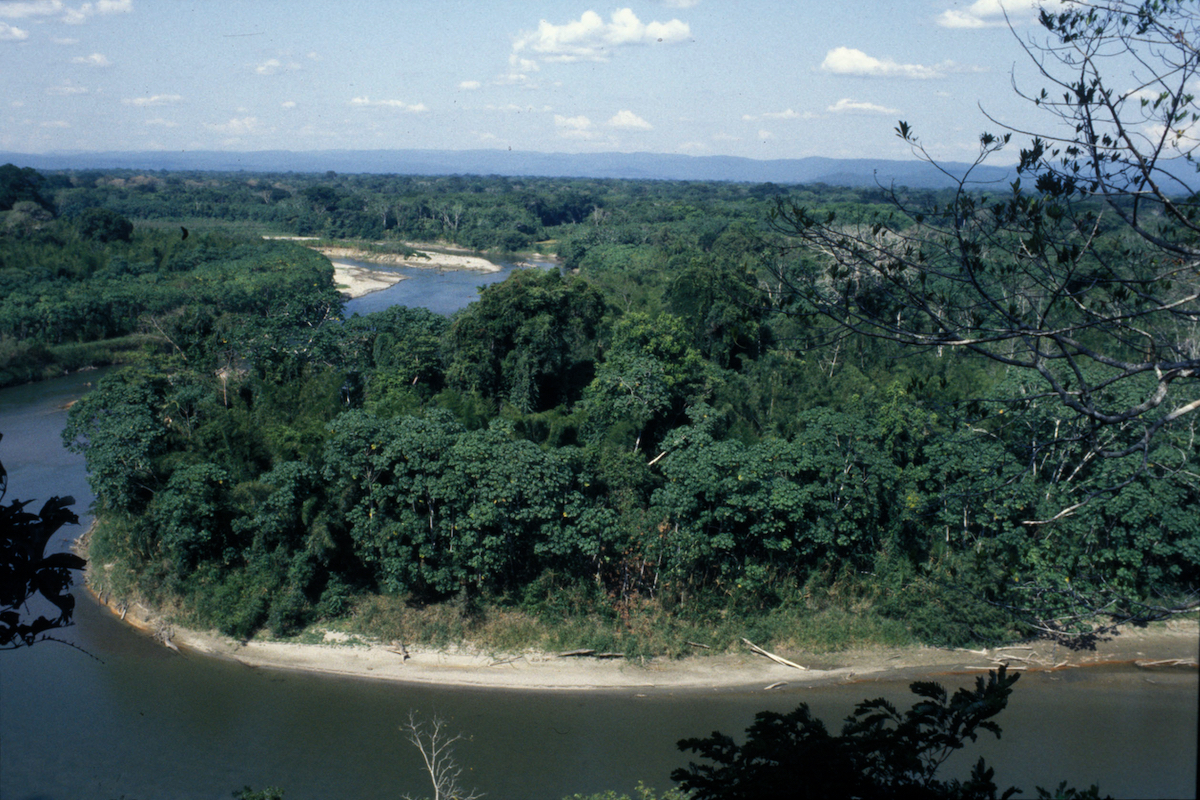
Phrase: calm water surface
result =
(127, 718)
(441, 291)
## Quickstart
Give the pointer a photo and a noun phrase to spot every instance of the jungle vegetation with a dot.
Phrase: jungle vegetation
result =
(658, 444)
(802, 415)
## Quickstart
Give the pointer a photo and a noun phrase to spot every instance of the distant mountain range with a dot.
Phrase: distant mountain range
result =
(643, 166)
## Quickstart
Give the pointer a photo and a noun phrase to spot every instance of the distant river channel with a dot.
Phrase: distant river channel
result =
(441, 291)
(119, 716)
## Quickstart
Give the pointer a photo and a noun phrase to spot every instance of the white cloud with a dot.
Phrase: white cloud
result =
(785, 114)
(518, 69)
(513, 108)
(153, 100)
(58, 123)
(80, 14)
(236, 126)
(33, 8)
(288, 104)
(953, 18)
(94, 60)
(274, 65)
(412, 108)
(65, 41)
(849, 61)
(591, 39)
(72, 15)
(980, 14)
(692, 147)
(522, 65)
(680, 3)
(765, 134)
(11, 33)
(628, 120)
(469, 85)
(991, 13)
(66, 89)
(574, 127)
(576, 123)
(848, 106)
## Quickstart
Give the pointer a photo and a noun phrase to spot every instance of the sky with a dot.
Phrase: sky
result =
(757, 79)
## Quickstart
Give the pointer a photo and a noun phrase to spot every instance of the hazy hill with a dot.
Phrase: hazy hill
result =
(646, 166)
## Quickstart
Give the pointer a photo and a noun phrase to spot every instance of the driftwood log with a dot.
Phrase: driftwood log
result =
(777, 659)
(589, 652)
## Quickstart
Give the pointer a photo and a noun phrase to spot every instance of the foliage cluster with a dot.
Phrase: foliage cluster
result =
(89, 290)
(31, 580)
(656, 442)
(880, 752)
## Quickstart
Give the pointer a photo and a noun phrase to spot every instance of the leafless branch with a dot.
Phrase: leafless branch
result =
(435, 743)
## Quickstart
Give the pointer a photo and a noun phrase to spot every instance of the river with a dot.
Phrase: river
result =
(123, 717)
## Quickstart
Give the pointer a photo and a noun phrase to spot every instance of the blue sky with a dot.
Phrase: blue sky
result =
(702, 77)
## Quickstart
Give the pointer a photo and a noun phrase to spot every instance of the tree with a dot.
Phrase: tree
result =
(880, 752)
(118, 430)
(529, 340)
(779, 505)
(21, 183)
(26, 571)
(436, 744)
(27, 217)
(1089, 281)
(650, 376)
(105, 225)
(270, 793)
(1081, 280)
(321, 198)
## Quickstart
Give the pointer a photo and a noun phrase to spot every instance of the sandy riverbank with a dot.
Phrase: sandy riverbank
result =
(354, 281)
(1173, 645)
(422, 259)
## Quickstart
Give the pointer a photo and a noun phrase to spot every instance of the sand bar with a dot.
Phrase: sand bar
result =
(422, 259)
(355, 281)
(1171, 646)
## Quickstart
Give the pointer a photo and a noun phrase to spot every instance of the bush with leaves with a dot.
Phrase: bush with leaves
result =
(881, 752)
(26, 572)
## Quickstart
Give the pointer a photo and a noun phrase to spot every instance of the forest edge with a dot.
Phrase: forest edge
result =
(1173, 645)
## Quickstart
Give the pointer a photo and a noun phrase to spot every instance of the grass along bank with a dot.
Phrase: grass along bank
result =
(25, 361)
(465, 643)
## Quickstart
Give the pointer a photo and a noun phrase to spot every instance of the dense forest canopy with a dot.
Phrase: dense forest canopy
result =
(658, 443)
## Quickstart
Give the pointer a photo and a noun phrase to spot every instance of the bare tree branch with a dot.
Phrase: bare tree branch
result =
(1089, 280)
(435, 743)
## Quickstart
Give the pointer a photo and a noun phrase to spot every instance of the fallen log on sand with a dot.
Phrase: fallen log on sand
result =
(589, 652)
(777, 659)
